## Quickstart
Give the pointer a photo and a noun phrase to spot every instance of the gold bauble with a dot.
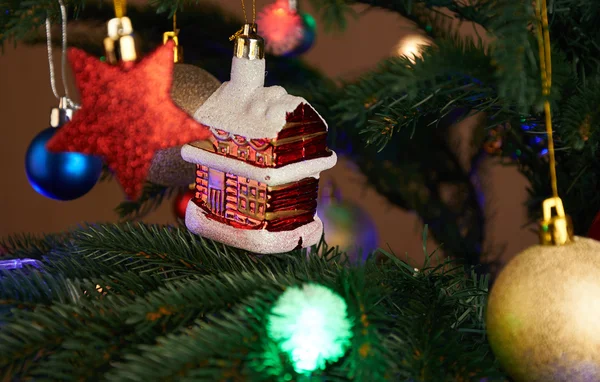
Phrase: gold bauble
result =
(543, 315)
(191, 87)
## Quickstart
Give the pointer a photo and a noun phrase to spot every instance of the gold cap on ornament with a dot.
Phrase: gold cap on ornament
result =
(248, 44)
(557, 229)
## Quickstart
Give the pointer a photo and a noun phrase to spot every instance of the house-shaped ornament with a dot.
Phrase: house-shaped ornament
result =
(257, 177)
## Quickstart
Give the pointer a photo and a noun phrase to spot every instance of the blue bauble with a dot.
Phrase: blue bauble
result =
(60, 176)
(308, 36)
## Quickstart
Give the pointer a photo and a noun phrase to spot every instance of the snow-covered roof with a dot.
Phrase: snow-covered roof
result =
(244, 106)
(289, 173)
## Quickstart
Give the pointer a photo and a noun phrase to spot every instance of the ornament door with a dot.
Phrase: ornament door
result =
(216, 192)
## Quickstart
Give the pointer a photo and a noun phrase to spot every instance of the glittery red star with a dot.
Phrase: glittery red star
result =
(126, 115)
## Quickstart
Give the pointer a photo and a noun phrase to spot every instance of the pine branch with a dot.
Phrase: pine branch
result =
(168, 309)
(26, 245)
(577, 144)
(106, 175)
(383, 104)
(152, 197)
(428, 350)
(29, 338)
(580, 116)
(578, 180)
(165, 252)
(450, 76)
(334, 12)
(575, 28)
(210, 324)
(212, 351)
(31, 289)
(513, 49)
(220, 290)
(369, 359)
(514, 52)
(419, 170)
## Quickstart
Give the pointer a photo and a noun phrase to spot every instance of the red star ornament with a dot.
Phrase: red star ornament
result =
(126, 115)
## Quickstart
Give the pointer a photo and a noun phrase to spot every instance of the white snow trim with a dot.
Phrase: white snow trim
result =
(257, 241)
(243, 106)
(271, 176)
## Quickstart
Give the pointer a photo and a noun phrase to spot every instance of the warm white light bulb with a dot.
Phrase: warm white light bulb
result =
(411, 46)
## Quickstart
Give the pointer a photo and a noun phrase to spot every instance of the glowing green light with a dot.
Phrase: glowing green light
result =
(518, 152)
(310, 21)
(311, 325)
(102, 58)
(545, 228)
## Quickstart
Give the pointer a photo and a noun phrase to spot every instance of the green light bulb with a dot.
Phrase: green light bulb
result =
(311, 325)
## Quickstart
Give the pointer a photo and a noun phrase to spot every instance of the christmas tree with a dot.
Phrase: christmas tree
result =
(133, 301)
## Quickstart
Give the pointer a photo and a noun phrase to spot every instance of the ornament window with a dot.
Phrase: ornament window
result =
(223, 148)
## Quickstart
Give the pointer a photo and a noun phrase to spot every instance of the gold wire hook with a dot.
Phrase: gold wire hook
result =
(239, 32)
(543, 36)
(120, 7)
(236, 34)
(244, 10)
(174, 35)
(555, 230)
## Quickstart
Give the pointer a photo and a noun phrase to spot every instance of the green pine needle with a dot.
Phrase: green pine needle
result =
(139, 302)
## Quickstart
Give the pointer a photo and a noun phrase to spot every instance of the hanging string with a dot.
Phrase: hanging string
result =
(177, 49)
(253, 11)
(63, 15)
(236, 34)
(244, 10)
(293, 5)
(63, 53)
(543, 37)
(120, 7)
(50, 63)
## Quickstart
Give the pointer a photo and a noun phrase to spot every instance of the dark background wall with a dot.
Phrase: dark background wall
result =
(26, 99)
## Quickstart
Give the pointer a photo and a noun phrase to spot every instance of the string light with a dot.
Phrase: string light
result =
(19, 263)
(411, 47)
